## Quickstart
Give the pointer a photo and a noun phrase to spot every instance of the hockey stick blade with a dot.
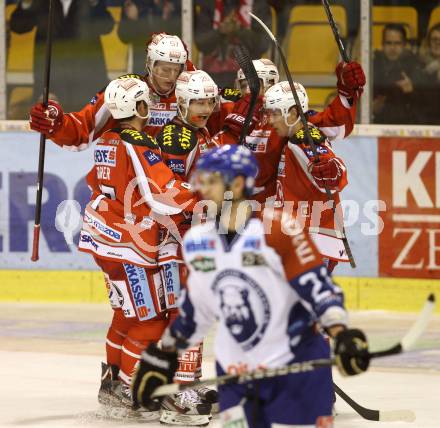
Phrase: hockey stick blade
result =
(414, 333)
(376, 415)
(407, 343)
(245, 62)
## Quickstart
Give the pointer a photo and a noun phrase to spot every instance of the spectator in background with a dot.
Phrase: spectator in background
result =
(430, 54)
(78, 65)
(397, 80)
(141, 18)
(221, 24)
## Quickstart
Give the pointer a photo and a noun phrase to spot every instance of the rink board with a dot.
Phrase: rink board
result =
(88, 287)
(395, 268)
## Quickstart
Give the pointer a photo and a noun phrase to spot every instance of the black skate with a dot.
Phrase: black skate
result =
(115, 398)
(210, 396)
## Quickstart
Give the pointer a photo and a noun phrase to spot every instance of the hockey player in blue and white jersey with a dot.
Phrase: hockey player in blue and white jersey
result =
(263, 280)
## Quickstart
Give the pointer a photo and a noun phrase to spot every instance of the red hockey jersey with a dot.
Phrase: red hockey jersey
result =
(134, 195)
(336, 122)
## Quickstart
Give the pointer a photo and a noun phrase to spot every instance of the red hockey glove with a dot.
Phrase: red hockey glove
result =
(46, 120)
(235, 120)
(326, 172)
(351, 79)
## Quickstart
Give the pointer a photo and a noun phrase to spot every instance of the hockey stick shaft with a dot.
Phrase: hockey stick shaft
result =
(42, 152)
(414, 332)
(335, 31)
(338, 220)
(301, 367)
(245, 62)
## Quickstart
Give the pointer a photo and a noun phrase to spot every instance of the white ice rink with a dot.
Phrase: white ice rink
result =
(50, 367)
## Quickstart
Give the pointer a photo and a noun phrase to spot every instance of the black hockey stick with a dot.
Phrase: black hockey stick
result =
(376, 415)
(335, 30)
(40, 177)
(407, 343)
(338, 221)
(245, 62)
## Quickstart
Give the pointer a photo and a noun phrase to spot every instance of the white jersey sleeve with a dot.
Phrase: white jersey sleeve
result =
(197, 310)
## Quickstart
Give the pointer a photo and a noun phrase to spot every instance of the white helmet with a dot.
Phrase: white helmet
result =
(165, 47)
(195, 85)
(280, 97)
(122, 95)
(266, 70)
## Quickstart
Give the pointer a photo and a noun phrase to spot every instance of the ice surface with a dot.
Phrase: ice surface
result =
(50, 367)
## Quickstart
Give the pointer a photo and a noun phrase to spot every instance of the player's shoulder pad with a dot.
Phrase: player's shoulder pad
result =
(137, 138)
(131, 76)
(176, 139)
(300, 136)
(230, 94)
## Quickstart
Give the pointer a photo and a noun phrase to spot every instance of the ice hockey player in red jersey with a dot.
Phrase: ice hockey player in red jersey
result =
(166, 58)
(132, 191)
(268, 292)
(303, 176)
(336, 121)
(182, 141)
(186, 137)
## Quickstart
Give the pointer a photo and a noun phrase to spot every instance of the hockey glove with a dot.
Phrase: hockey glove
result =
(156, 368)
(46, 120)
(351, 352)
(235, 120)
(351, 79)
(326, 172)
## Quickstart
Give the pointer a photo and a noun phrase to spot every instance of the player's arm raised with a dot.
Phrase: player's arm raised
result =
(337, 120)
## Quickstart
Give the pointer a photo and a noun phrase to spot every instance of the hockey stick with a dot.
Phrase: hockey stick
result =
(40, 177)
(339, 223)
(302, 367)
(376, 415)
(245, 62)
(406, 344)
(335, 30)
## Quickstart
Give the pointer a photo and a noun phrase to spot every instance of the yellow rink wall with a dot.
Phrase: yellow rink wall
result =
(392, 294)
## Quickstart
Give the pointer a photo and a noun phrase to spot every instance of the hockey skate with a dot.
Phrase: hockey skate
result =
(116, 401)
(210, 396)
(185, 408)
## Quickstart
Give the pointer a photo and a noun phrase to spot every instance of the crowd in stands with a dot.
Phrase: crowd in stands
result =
(406, 69)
